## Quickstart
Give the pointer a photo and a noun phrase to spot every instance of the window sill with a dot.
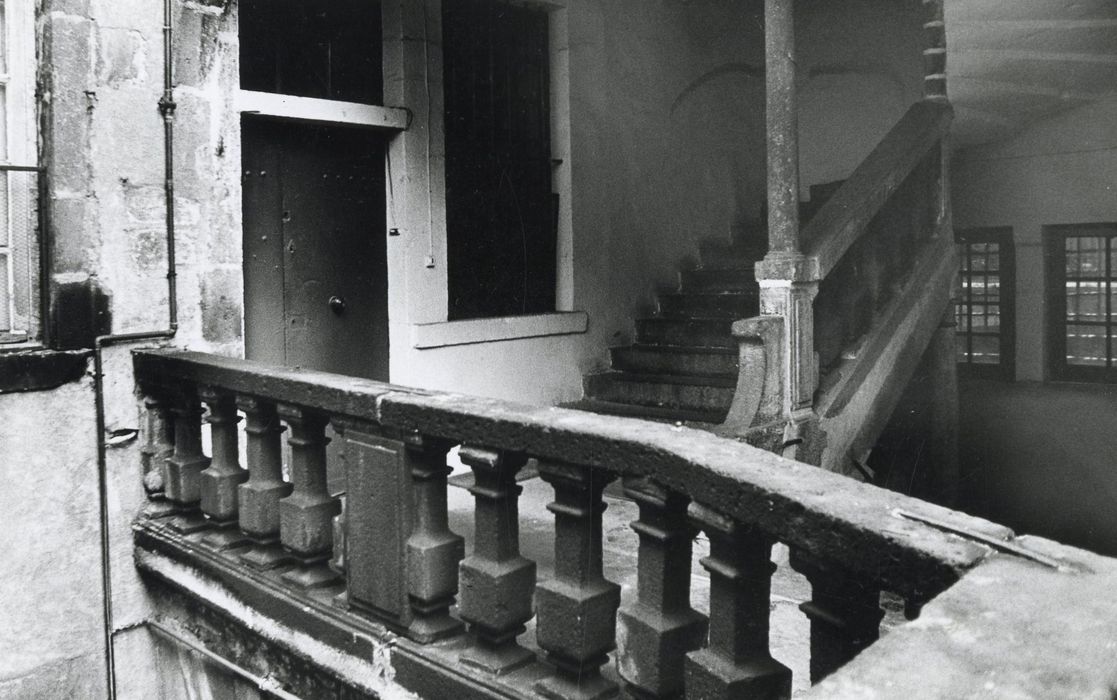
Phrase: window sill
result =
(490, 330)
(36, 369)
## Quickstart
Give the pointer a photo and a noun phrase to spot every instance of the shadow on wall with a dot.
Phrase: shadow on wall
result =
(1042, 458)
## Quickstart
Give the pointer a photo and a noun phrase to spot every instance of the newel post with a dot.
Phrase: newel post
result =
(787, 285)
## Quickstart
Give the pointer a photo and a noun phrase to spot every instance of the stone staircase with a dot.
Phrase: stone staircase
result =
(684, 363)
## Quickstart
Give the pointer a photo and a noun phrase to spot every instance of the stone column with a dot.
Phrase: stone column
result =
(183, 484)
(787, 285)
(433, 550)
(258, 498)
(496, 582)
(306, 516)
(783, 128)
(844, 612)
(224, 475)
(737, 662)
(576, 610)
(660, 627)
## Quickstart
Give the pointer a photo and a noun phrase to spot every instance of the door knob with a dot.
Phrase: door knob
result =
(337, 304)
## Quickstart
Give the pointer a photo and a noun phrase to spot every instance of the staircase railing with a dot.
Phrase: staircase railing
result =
(864, 242)
(379, 563)
(866, 250)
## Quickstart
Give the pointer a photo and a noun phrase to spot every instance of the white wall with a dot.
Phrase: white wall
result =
(860, 68)
(662, 145)
(1061, 170)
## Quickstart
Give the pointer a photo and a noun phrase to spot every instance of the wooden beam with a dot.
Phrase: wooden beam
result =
(316, 111)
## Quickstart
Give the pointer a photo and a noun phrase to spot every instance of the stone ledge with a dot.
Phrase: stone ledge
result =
(40, 370)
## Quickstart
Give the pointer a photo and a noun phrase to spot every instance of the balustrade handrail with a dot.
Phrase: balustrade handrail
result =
(819, 512)
(844, 217)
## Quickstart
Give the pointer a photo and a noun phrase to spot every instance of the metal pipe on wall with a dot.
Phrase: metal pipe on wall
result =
(167, 110)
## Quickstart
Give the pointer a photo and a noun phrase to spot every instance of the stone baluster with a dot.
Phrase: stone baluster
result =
(844, 612)
(576, 610)
(737, 662)
(496, 582)
(306, 516)
(258, 498)
(158, 446)
(182, 483)
(224, 474)
(433, 551)
(660, 626)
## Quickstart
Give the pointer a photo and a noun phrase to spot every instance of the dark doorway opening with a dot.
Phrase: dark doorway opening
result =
(315, 266)
(501, 215)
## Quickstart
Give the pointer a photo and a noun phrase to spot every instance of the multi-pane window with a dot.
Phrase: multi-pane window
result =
(984, 312)
(1082, 278)
(19, 291)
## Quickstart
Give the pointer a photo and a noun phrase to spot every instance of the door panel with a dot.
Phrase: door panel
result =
(329, 216)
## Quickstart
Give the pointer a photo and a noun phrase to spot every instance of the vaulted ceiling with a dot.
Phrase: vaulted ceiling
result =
(1012, 62)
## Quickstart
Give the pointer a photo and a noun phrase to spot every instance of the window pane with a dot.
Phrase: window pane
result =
(1084, 300)
(987, 318)
(1085, 256)
(960, 347)
(986, 349)
(5, 301)
(1086, 346)
(994, 257)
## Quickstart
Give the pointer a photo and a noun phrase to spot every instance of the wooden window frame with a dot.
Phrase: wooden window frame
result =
(1002, 236)
(1054, 238)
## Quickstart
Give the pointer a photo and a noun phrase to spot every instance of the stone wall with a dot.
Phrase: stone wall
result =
(50, 581)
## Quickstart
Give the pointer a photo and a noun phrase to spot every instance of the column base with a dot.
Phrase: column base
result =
(188, 523)
(709, 675)
(560, 687)
(264, 556)
(312, 576)
(226, 539)
(497, 661)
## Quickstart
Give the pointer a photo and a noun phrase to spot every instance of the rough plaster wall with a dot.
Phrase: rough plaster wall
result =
(1062, 170)
(50, 584)
(860, 68)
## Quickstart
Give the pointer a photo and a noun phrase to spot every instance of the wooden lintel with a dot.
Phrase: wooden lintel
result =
(318, 111)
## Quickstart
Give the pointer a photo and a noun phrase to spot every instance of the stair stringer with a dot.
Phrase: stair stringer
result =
(858, 397)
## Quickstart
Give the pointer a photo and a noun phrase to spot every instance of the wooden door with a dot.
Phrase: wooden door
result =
(315, 267)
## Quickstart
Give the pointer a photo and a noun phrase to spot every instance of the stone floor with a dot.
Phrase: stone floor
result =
(790, 630)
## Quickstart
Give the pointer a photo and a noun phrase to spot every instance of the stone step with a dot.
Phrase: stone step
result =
(720, 255)
(684, 392)
(653, 413)
(686, 332)
(717, 281)
(734, 305)
(659, 359)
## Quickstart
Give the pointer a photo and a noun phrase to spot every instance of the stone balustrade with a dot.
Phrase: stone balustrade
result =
(485, 622)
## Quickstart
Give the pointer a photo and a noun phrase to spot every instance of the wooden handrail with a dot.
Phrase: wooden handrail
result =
(805, 507)
(844, 218)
